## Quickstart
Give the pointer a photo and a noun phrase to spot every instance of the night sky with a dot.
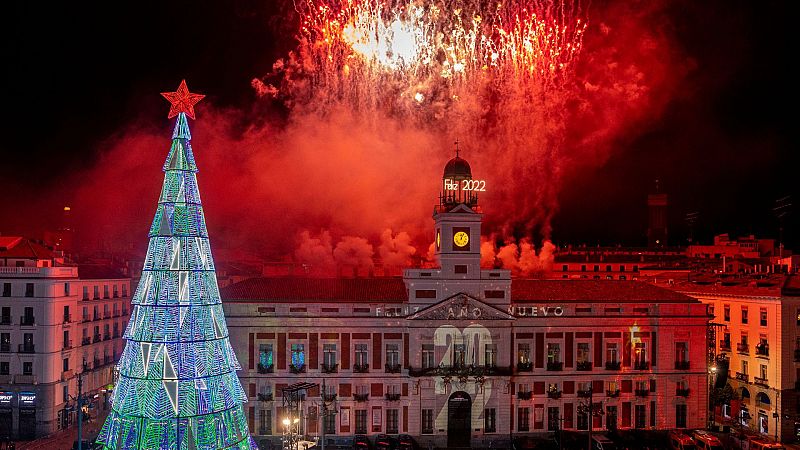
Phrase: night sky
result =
(77, 75)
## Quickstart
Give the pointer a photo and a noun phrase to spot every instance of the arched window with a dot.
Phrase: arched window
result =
(762, 400)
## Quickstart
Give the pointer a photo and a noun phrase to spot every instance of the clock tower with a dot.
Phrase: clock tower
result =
(457, 243)
(457, 221)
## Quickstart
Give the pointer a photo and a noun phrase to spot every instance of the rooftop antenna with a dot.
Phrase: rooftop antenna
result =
(782, 207)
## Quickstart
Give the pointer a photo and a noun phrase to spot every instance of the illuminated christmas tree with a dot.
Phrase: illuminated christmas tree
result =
(177, 386)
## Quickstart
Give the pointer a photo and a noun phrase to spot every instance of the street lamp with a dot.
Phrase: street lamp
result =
(712, 372)
(290, 424)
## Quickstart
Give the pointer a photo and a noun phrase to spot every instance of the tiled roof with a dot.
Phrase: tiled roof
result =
(288, 289)
(18, 247)
(99, 272)
(525, 291)
(285, 289)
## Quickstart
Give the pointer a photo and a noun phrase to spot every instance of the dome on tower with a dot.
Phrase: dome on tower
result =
(457, 168)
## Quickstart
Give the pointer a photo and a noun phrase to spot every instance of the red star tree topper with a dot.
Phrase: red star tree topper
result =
(182, 101)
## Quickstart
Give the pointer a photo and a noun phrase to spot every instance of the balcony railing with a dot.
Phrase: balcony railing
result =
(555, 366)
(725, 345)
(392, 397)
(329, 397)
(760, 381)
(30, 348)
(329, 368)
(641, 365)
(265, 397)
(583, 365)
(269, 368)
(682, 365)
(106, 336)
(67, 318)
(27, 321)
(743, 348)
(762, 351)
(86, 340)
(613, 365)
(641, 392)
(554, 394)
(393, 368)
(524, 366)
(682, 392)
(361, 368)
(743, 377)
(5, 348)
(525, 395)
(68, 344)
(86, 319)
(614, 393)
(459, 371)
(584, 393)
(297, 369)
(5, 320)
(97, 338)
(361, 397)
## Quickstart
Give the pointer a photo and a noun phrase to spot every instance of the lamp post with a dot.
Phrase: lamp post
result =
(712, 372)
(291, 423)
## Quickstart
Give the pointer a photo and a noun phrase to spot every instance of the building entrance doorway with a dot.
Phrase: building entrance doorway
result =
(459, 420)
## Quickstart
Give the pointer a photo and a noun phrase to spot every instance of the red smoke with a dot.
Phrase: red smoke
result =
(371, 183)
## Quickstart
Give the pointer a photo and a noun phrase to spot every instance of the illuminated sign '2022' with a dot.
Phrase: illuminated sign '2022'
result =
(465, 185)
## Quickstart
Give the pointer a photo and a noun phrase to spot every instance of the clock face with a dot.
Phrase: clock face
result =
(461, 239)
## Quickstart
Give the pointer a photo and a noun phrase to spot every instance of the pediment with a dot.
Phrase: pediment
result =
(461, 307)
(461, 208)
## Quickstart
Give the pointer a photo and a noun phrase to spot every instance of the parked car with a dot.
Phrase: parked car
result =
(761, 444)
(361, 442)
(706, 440)
(602, 442)
(406, 442)
(385, 442)
(681, 441)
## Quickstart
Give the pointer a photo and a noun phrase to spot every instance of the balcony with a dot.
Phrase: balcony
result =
(743, 348)
(682, 365)
(67, 318)
(762, 351)
(66, 375)
(361, 397)
(27, 321)
(328, 398)
(269, 368)
(67, 344)
(760, 381)
(743, 377)
(86, 319)
(612, 394)
(96, 317)
(106, 336)
(584, 393)
(524, 366)
(392, 397)
(297, 369)
(725, 345)
(329, 368)
(641, 392)
(97, 363)
(360, 368)
(460, 371)
(555, 366)
(96, 338)
(525, 395)
(583, 365)
(641, 365)
(554, 394)
(5, 347)
(5, 320)
(613, 365)
(29, 348)
(393, 368)
(86, 340)
(682, 392)
(265, 397)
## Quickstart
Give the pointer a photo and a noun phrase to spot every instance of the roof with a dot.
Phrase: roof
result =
(22, 248)
(304, 289)
(457, 167)
(298, 289)
(99, 272)
(620, 291)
